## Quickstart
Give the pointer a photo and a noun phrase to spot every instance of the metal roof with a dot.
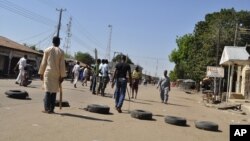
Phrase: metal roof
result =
(235, 55)
(7, 43)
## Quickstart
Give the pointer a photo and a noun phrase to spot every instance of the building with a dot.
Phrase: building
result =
(237, 60)
(11, 52)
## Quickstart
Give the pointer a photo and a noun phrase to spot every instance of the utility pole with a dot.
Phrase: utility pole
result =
(67, 39)
(96, 57)
(59, 22)
(216, 83)
(156, 68)
(236, 34)
(109, 43)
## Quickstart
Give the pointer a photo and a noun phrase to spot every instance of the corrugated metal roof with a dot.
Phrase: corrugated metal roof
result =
(5, 42)
(234, 55)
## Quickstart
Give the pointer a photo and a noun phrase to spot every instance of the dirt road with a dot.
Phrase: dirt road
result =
(22, 120)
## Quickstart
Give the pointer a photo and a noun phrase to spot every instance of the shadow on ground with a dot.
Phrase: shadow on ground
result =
(84, 117)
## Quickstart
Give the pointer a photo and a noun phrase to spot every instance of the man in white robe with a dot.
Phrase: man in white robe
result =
(21, 64)
(52, 72)
(76, 71)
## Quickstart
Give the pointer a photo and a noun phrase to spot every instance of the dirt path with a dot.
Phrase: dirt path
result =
(22, 120)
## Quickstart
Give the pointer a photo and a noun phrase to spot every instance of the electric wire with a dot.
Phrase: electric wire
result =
(14, 8)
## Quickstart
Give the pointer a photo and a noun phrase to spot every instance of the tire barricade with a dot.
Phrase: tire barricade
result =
(17, 94)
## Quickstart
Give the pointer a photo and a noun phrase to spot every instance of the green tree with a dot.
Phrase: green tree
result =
(68, 55)
(117, 58)
(198, 50)
(173, 76)
(85, 58)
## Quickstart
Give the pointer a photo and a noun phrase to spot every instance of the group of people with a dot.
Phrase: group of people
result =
(99, 75)
(52, 73)
(80, 73)
(23, 75)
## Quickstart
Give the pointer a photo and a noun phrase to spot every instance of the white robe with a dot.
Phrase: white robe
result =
(76, 70)
(22, 63)
(52, 68)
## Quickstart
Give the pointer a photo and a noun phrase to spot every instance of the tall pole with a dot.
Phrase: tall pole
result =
(59, 22)
(218, 46)
(67, 39)
(216, 84)
(236, 34)
(156, 68)
(109, 42)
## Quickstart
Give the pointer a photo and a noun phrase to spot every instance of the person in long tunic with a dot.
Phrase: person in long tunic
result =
(76, 71)
(21, 64)
(52, 72)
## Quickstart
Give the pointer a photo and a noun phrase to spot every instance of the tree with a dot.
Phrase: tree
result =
(85, 58)
(31, 46)
(172, 76)
(68, 55)
(204, 46)
(117, 58)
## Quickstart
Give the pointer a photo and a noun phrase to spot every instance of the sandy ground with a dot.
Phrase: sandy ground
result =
(22, 120)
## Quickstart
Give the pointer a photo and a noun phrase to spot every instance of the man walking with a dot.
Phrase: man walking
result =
(136, 77)
(21, 64)
(52, 72)
(105, 76)
(76, 71)
(121, 70)
(100, 77)
(164, 85)
(95, 76)
(85, 76)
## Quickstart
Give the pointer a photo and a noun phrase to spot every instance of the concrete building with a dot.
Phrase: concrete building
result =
(11, 52)
(238, 61)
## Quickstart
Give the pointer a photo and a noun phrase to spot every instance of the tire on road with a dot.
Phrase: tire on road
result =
(18, 94)
(206, 125)
(180, 121)
(141, 114)
(64, 103)
(95, 108)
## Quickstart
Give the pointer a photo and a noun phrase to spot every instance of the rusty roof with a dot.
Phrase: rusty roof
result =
(5, 42)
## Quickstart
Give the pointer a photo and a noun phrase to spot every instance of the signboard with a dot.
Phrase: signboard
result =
(215, 71)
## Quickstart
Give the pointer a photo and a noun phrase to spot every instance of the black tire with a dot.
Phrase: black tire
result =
(141, 114)
(18, 94)
(95, 108)
(64, 103)
(206, 125)
(176, 120)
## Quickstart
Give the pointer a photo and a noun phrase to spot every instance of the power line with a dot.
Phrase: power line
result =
(82, 43)
(48, 39)
(34, 36)
(77, 25)
(88, 35)
(14, 8)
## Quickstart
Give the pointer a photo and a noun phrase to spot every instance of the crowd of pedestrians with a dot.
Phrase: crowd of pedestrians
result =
(52, 72)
